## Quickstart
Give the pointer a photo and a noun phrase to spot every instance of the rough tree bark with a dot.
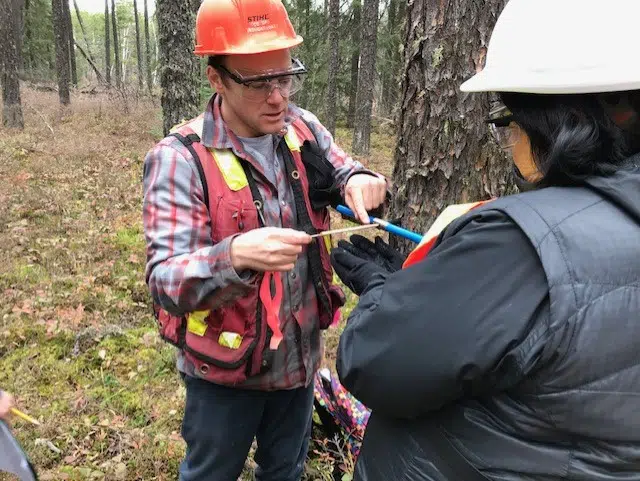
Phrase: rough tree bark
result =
(176, 25)
(355, 60)
(70, 43)
(11, 12)
(366, 78)
(62, 50)
(334, 66)
(146, 46)
(138, 49)
(444, 155)
(116, 46)
(107, 44)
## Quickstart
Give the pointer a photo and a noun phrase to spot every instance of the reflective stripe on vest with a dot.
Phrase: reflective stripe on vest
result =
(231, 169)
(447, 216)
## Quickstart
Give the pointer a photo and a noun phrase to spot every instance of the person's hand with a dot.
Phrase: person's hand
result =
(363, 193)
(6, 403)
(268, 249)
(379, 252)
(355, 272)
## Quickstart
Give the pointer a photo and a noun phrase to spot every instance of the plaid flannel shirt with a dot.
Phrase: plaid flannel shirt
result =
(185, 268)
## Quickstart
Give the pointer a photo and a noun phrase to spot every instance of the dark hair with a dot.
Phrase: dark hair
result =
(216, 61)
(572, 136)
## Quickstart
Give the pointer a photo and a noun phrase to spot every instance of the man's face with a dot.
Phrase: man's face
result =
(252, 111)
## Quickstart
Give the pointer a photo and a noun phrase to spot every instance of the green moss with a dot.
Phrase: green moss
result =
(130, 239)
(437, 56)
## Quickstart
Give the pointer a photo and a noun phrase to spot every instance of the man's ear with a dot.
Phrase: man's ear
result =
(215, 79)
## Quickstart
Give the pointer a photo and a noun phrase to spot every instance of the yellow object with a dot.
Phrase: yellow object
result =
(231, 169)
(196, 323)
(448, 215)
(327, 242)
(24, 416)
(232, 340)
(292, 140)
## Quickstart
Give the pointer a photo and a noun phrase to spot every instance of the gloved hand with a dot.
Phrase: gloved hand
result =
(379, 252)
(355, 272)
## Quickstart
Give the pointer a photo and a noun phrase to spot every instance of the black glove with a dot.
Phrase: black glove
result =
(355, 272)
(323, 189)
(379, 252)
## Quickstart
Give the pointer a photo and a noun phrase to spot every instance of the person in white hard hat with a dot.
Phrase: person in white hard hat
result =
(506, 347)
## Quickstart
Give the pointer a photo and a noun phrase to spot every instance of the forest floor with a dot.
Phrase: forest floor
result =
(78, 344)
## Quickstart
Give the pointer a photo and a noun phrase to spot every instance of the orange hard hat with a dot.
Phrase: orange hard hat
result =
(226, 27)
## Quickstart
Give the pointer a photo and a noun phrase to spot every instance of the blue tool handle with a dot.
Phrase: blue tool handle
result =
(407, 234)
(393, 229)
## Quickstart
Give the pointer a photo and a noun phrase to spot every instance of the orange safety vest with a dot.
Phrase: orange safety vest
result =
(447, 216)
(237, 338)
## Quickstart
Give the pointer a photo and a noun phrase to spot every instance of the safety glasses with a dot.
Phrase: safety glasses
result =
(258, 87)
(501, 125)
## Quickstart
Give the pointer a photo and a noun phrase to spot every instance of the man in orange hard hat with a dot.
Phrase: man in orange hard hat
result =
(231, 199)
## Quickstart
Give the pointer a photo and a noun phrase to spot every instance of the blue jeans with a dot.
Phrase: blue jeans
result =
(220, 424)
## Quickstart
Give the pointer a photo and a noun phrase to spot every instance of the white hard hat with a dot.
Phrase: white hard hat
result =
(563, 47)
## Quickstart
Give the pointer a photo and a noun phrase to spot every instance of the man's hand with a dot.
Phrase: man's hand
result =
(363, 193)
(6, 403)
(268, 249)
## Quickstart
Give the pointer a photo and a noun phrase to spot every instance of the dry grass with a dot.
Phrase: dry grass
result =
(77, 340)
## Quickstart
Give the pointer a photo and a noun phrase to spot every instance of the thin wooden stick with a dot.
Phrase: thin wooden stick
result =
(346, 229)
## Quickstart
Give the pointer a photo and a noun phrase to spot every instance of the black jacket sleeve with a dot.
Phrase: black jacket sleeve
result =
(437, 331)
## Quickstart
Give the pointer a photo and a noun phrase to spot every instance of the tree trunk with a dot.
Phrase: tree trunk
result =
(84, 33)
(116, 46)
(91, 63)
(107, 45)
(392, 57)
(442, 156)
(355, 60)
(196, 60)
(70, 43)
(302, 27)
(176, 25)
(334, 66)
(27, 63)
(138, 48)
(366, 78)
(147, 43)
(62, 49)
(398, 54)
(11, 12)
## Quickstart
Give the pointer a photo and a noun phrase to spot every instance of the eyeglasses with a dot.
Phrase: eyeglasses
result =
(501, 126)
(259, 87)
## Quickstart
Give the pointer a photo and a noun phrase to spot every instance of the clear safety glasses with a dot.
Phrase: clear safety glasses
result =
(501, 125)
(258, 87)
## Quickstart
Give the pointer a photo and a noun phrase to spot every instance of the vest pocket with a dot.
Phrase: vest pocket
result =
(222, 349)
(233, 216)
